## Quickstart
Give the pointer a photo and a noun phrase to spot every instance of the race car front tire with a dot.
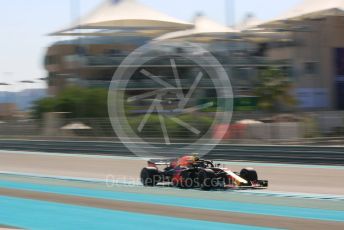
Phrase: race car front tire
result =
(150, 176)
(249, 174)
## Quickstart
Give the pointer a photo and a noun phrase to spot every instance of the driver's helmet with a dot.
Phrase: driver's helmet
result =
(196, 156)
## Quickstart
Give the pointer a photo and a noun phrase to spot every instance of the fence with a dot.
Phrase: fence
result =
(308, 127)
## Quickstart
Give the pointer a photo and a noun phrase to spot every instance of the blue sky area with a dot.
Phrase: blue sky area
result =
(25, 25)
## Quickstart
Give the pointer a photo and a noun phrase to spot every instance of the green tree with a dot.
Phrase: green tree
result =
(273, 89)
(77, 102)
(42, 106)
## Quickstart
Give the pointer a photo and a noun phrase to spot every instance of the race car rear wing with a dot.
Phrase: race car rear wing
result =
(156, 162)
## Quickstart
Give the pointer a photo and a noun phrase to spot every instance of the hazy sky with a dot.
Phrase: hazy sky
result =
(25, 25)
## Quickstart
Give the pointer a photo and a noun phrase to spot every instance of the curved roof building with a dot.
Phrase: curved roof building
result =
(124, 15)
(204, 28)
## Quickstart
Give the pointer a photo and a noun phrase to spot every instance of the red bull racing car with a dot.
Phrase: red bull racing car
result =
(192, 172)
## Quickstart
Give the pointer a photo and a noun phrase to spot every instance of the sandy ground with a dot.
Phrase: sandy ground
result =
(288, 179)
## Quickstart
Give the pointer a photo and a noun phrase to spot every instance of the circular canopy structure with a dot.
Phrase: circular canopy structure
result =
(205, 28)
(121, 15)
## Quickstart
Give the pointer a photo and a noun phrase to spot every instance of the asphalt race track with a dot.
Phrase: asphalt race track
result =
(70, 191)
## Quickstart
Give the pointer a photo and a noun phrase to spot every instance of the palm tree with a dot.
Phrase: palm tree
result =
(273, 90)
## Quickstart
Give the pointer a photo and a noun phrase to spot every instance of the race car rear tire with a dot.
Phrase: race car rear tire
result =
(249, 174)
(149, 176)
(206, 179)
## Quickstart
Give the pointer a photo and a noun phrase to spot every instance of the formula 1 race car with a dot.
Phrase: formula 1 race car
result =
(192, 172)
